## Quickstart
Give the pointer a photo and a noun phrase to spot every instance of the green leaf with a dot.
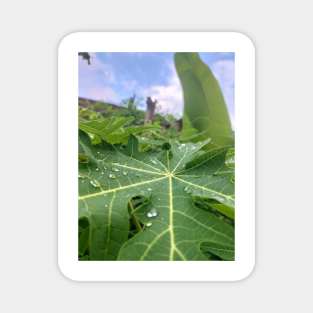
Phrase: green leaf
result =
(204, 105)
(173, 227)
(188, 132)
(230, 158)
(132, 146)
(83, 236)
(112, 130)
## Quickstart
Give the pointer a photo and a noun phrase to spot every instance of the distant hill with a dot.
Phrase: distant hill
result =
(98, 106)
(108, 108)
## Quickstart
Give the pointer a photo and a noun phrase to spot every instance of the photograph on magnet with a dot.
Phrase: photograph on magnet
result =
(156, 156)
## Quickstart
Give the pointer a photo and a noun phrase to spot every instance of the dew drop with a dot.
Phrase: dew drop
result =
(102, 173)
(106, 205)
(95, 183)
(97, 169)
(115, 169)
(152, 213)
(186, 189)
(149, 189)
(154, 161)
(125, 173)
(112, 176)
(149, 224)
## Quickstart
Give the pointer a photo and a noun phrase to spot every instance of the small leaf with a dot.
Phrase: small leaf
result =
(132, 146)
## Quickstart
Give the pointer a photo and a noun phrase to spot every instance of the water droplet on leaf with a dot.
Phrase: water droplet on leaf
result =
(149, 224)
(95, 183)
(152, 213)
(186, 189)
(112, 176)
(125, 173)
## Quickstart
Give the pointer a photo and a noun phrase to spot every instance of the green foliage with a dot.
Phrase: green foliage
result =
(204, 106)
(170, 223)
(132, 104)
(156, 192)
(112, 130)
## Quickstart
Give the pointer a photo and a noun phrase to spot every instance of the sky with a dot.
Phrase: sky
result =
(114, 77)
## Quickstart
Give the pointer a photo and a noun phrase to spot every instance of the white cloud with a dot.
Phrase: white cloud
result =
(105, 94)
(169, 96)
(95, 80)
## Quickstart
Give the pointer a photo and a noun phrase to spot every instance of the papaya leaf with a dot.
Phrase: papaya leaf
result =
(113, 130)
(83, 236)
(188, 132)
(132, 146)
(173, 227)
(204, 105)
(230, 158)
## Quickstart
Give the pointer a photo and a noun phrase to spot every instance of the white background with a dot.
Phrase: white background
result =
(30, 280)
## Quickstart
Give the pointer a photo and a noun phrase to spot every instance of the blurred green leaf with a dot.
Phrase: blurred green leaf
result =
(204, 106)
(113, 130)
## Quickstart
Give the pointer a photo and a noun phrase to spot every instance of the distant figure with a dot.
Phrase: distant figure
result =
(150, 110)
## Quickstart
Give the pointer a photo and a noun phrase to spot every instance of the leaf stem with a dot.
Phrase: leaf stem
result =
(135, 220)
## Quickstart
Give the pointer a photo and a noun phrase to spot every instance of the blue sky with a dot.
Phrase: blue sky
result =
(114, 77)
